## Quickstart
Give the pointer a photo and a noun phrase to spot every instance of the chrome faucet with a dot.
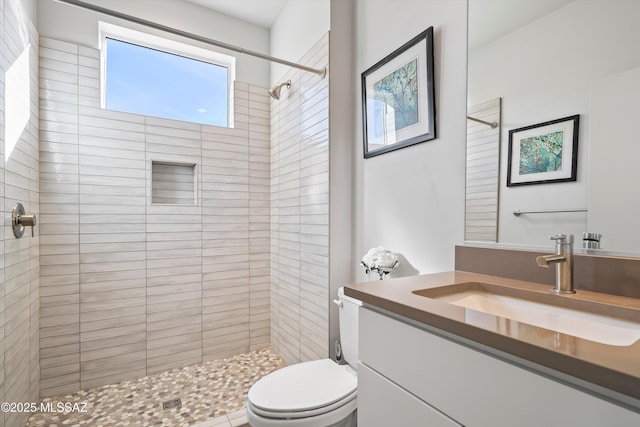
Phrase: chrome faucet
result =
(563, 259)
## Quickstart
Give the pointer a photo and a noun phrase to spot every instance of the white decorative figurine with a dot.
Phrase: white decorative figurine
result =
(380, 260)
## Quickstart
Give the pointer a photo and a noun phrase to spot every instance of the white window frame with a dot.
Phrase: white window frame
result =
(108, 30)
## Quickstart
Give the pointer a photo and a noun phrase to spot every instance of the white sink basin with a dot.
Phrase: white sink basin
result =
(583, 324)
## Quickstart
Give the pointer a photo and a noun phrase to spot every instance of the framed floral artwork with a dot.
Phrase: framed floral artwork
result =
(544, 153)
(398, 98)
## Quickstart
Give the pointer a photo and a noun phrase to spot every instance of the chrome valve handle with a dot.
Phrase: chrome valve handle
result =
(20, 220)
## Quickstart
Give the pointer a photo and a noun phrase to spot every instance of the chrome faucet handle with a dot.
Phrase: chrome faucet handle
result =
(562, 239)
(20, 220)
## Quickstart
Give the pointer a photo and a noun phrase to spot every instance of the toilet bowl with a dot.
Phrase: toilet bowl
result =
(318, 393)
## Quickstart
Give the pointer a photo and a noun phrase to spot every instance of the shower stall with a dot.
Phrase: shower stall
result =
(121, 281)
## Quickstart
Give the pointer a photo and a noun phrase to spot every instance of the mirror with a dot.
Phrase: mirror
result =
(550, 59)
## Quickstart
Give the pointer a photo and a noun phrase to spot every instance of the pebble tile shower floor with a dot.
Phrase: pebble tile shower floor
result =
(211, 394)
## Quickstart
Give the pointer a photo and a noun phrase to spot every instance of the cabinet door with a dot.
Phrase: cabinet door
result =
(382, 403)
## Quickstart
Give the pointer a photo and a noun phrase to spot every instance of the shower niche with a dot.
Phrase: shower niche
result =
(173, 183)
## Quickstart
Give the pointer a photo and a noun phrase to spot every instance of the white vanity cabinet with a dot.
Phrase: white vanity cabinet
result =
(387, 404)
(406, 371)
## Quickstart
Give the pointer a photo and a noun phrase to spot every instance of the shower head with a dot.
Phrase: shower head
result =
(275, 91)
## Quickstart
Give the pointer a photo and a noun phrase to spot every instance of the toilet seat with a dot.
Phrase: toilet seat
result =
(304, 414)
(344, 416)
(308, 389)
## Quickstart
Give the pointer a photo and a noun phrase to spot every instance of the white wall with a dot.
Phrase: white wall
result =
(542, 72)
(613, 190)
(300, 25)
(341, 106)
(412, 200)
(63, 22)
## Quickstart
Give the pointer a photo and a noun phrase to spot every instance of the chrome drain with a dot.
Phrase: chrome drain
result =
(170, 404)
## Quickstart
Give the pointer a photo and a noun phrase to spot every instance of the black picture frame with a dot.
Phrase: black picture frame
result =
(544, 153)
(398, 98)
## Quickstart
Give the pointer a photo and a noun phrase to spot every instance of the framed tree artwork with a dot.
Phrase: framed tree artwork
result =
(544, 153)
(398, 98)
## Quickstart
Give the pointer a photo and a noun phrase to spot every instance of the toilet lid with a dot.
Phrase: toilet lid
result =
(303, 386)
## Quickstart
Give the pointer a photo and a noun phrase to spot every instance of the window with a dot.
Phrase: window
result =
(148, 75)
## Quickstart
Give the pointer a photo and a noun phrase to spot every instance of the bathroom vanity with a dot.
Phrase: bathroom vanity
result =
(440, 352)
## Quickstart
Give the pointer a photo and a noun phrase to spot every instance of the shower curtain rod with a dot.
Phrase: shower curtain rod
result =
(322, 72)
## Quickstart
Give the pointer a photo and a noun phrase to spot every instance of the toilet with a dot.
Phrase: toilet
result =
(319, 393)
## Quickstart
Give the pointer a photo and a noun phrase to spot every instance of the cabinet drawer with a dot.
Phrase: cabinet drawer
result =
(474, 388)
(382, 403)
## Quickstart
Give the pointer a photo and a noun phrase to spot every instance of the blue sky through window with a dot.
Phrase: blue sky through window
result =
(154, 83)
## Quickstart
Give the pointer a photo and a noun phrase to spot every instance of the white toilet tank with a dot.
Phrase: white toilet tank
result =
(348, 312)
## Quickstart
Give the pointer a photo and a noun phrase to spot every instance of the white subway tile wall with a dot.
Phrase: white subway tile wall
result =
(174, 255)
(19, 182)
(259, 219)
(300, 213)
(225, 235)
(133, 288)
(112, 295)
